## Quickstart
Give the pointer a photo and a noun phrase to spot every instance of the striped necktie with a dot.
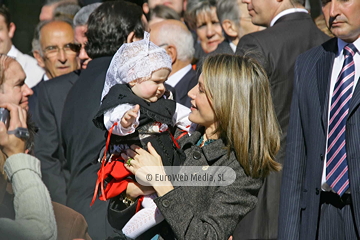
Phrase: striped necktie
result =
(336, 161)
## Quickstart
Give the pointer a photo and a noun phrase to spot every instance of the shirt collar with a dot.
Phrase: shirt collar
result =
(176, 77)
(342, 44)
(45, 78)
(286, 12)
(13, 52)
(233, 46)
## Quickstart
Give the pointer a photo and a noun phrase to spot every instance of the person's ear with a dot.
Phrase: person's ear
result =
(39, 59)
(132, 38)
(172, 52)
(132, 83)
(12, 29)
(145, 8)
(184, 5)
(230, 28)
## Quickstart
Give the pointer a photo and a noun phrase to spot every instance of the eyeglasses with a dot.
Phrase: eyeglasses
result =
(69, 48)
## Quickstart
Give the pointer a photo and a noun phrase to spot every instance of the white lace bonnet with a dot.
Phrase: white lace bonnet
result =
(135, 61)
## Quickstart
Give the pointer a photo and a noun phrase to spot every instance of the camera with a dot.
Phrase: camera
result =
(5, 116)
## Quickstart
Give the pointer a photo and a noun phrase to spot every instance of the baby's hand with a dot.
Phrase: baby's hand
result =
(130, 116)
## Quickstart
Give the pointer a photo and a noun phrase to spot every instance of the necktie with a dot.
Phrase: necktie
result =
(336, 162)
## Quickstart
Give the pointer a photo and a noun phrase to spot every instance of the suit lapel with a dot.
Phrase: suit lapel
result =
(75, 76)
(324, 69)
(181, 87)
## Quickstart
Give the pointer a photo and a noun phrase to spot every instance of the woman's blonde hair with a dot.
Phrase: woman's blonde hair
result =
(239, 91)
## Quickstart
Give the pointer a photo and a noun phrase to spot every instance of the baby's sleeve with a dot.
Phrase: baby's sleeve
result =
(115, 115)
(181, 117)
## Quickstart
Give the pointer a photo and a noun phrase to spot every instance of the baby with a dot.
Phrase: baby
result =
(136, 109)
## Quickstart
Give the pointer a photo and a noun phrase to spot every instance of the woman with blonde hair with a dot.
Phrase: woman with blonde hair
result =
(237, 129)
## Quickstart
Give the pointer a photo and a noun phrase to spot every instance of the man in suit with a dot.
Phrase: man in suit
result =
(80, 27)
(54, 48)
(178, 42)
(320, 188)
(56, 52)
(109, 26)
(290, 32)
(48, 112)
(235, 22)
(32, 70)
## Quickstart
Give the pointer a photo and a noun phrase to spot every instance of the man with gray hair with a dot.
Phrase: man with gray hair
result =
(54, 47)
(177, 40)
(80, 28)
(48, 113)
(235, 22)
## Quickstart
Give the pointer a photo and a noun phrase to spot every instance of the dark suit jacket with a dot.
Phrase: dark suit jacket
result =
(182, 88)
(276, 48)
(82, 143)
(51, 97)
(300, 192)
(33, 100)
(223, 47)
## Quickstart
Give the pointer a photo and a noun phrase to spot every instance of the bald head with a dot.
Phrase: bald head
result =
(177, 40)
(155, 27)
(57, 29)
(55, 55)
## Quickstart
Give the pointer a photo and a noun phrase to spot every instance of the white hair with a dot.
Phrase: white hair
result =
(82, 16)
(180, 37)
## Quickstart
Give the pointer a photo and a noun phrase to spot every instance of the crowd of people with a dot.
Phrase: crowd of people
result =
(118, 92)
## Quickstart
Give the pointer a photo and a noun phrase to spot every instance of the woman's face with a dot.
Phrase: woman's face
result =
(208, 29)
(201, 111)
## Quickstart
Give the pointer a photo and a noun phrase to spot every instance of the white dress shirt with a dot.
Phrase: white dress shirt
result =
(33, 71)
(176, 77)
(286, 12)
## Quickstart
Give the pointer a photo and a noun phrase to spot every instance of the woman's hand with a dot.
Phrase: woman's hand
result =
(135, 190)
(143, 158)
(148, 163)
(9, 143)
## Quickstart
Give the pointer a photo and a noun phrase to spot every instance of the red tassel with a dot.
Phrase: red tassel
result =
(138, 206)
(101, 170)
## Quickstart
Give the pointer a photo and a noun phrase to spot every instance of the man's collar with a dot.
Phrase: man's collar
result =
(13, 52)
(176, 77)
(286, 12)
(342, 44)
(45, 77)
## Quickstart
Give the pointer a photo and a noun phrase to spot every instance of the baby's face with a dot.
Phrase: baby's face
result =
(151, 90)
